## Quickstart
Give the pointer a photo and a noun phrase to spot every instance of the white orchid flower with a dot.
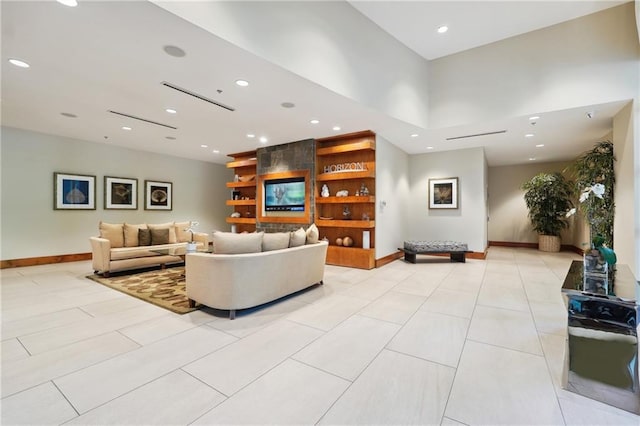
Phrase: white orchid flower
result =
(571, 212)
(584, 195)
(598, 190)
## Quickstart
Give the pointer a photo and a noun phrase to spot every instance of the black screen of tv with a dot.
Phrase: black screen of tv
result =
(284, 195)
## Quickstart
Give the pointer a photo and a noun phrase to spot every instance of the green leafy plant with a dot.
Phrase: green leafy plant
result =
(548, 197)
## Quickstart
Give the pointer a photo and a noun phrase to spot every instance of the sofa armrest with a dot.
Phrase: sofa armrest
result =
(201, 237)
(100, 254)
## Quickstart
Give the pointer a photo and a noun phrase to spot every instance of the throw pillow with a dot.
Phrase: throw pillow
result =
(159, 236)
(313, 234)
(181, 235)
(131, 234)
(275, 241)
(170, 226)
(230, 243)
(144, 237)
(298, 238)
(114, 232)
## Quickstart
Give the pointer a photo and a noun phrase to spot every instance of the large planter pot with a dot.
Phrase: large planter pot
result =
(550, 243)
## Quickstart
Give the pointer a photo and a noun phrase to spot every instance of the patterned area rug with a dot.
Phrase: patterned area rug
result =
(164, 288)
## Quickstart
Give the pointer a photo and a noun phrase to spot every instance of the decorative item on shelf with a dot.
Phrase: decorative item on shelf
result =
(346, 213)
(347, 241)
(235, 214)
(364, 191)
(365, 216)
(357, 193)
(366, 239)
(248, 214)
(247, 178)
(338, 241)
(235, 195)
(342, 193)
(236, 178)
(326, 218)
(325, 238)
(325, 191)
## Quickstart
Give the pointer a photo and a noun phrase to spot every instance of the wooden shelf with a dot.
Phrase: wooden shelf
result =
(361, 224)
(368, 144)
(242, 163)
(241, 184)
(346, 200)
(326, 177)
(247, 220)
(241, 202)
(351, 256)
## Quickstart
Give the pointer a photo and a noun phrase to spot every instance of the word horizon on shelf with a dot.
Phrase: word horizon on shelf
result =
(345, 167)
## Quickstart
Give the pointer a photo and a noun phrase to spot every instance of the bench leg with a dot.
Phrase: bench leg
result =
(192, 303)
(410, 257)
(458, 257)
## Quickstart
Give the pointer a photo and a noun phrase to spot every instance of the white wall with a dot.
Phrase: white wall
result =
(327, 42)
(30, 227)
(465, 224)
(586, 61)
(508, 214)
(392, 189)
(625, 243)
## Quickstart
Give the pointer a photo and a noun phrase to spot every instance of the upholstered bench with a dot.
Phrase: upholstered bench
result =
(456, 251)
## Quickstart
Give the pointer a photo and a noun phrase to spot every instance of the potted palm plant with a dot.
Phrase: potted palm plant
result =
(548, 197)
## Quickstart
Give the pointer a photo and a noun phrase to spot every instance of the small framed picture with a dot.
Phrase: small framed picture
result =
(74, 192)
(443, 193)
(120, 193)
(158, 195)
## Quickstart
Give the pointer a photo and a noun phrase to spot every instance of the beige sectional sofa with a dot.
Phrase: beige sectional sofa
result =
(248, 270)
(122, 246)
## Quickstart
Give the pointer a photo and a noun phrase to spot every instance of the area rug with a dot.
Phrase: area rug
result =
(162, 287)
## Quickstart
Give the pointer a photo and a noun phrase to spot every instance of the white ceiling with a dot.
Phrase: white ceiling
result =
(96, 59)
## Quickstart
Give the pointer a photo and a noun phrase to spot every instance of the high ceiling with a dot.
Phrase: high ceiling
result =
(108, 56)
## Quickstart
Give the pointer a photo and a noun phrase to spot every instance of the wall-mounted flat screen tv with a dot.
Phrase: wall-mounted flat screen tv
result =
(284, 195)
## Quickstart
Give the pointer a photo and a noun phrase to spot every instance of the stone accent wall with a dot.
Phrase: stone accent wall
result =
(292, 156)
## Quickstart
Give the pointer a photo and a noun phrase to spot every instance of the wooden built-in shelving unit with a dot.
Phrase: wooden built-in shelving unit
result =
(243, 165)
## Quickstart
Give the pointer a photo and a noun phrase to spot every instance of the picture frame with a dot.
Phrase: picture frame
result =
(158, 195)
(443, 193)
(73, 191)
(120, 193)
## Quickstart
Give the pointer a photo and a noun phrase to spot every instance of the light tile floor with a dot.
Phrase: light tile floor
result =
(431, 343)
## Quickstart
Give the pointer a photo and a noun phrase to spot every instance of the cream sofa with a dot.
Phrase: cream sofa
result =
(239, 281)
(118, 246)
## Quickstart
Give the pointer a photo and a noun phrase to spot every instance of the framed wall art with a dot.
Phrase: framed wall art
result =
(120, 193)
(443, 193)
(74, 192)
(158, 195)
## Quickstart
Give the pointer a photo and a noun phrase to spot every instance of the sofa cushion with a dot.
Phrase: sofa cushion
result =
(114, 232)
(131, 234)
(275, 241)
(170, 226)
(183, 236)
(298, 238)
(144, 237)
(159, 236)
(313, 234)
(230, 243)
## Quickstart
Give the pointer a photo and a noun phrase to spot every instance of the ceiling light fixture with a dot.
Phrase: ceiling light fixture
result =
(19, 63)
(429, 147)
(443, 29)
(216, 151)
(171, 138)
(174, 51)
(534, 117)
(287, 105)
(171, 110)
(532, 158)
(70, 3)
(242, 83)
(540, 145)
(263, 139)
(68, 114)
(529, 135)
(251, 135)
(415, 135)
(314, 121)
(126, 128)
(204, 146)
(336, 128)
(591, 114)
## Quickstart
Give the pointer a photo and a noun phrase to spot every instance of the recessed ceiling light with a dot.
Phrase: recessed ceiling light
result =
(174, 51)
(532, 158)
(414, 135)
(336, 128)
(126, 128)
(591, 114)
(429, 147)
(70, 3)
(540, 145)
(216, 151)
(19, 63)
(242, 83)
(263, 139)
(529, 135)
(251, 135)
(204, 146)
(443, 29)
(171, 138)
(287, 105)
(314, 121)
(534, 117)
(171, 110)
(68, 114)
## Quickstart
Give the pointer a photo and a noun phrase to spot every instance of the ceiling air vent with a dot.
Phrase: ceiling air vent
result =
(197, 96)
(477, 134)
(122, 114)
